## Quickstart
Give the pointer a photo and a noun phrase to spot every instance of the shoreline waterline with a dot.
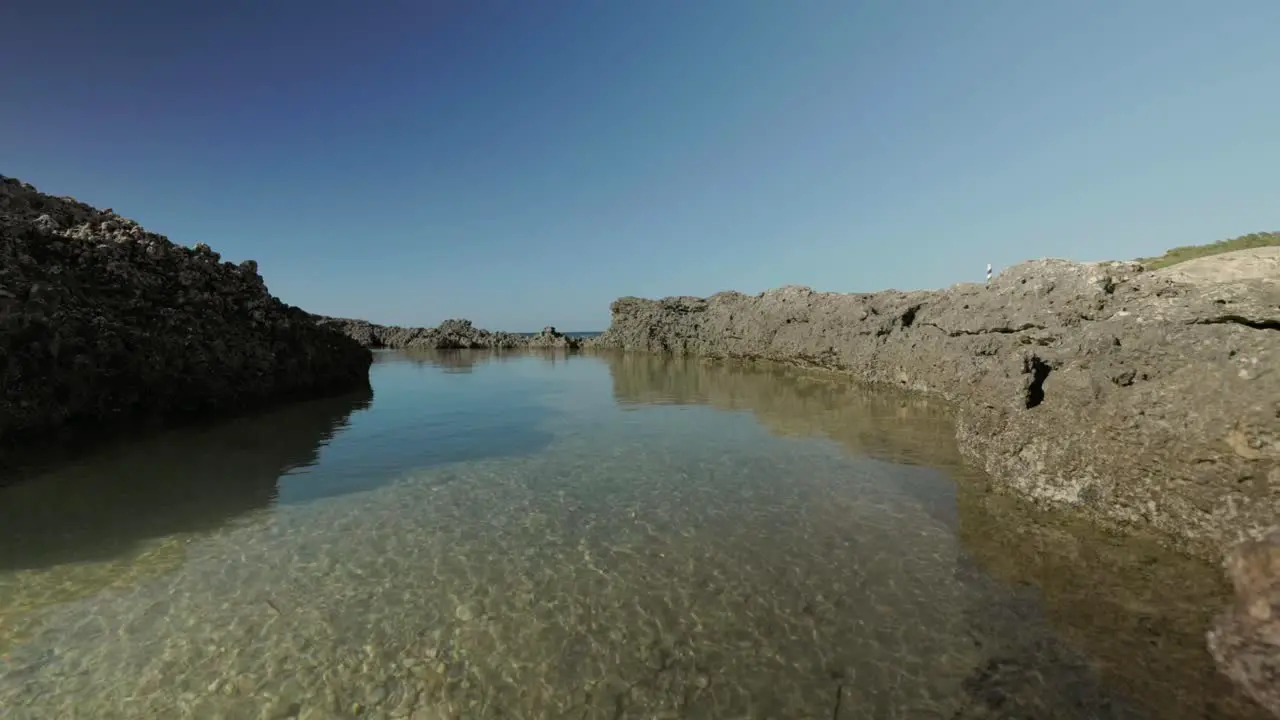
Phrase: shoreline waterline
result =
(661, 535)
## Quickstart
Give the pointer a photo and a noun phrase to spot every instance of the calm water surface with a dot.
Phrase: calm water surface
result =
(551, 536)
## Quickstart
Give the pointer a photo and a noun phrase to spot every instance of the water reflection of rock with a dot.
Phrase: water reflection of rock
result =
(887, 425)
(423, 421)
(189, 479)
(451, 361)
(1138, 613)
(464, 361)
(118, 515)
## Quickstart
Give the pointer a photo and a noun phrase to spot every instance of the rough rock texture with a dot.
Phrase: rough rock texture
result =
(450, 335)
(1245, 640)
(1262, 263)
(1137, 400)
(1141, 400)
(100, 319)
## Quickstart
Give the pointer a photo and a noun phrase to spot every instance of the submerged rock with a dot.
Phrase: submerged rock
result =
(1245, 640)
(450, 335)
(1141, 400)
(1137, 400)
(100, 319)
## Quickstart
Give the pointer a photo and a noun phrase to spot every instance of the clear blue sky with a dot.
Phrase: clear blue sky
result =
(523, 163)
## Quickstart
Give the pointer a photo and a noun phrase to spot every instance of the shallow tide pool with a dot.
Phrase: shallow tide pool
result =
(552, 536)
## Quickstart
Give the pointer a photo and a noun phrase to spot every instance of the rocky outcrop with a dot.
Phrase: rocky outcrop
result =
(1254, 263)
(1245, 640)
(1133, 398)
(1141, 400)
(450, 335)
(102, 320)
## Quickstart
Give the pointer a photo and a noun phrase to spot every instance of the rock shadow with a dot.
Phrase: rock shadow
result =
(104, 503)
(912, 431)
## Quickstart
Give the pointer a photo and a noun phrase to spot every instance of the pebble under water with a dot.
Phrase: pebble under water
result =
(586, 536)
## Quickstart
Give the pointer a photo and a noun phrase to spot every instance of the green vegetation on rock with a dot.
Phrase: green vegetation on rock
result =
(1191, 252)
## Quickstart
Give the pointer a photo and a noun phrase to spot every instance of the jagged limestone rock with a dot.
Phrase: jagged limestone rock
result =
(101, 320)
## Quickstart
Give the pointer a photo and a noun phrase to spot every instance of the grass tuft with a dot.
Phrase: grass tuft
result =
(1191, 252)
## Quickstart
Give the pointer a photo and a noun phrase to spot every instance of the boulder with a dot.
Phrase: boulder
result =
(101, 320)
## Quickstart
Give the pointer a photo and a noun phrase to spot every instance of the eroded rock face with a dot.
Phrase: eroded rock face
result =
(100, 320)
(1245, 640)
(1141, 400)
(1262, 263)
(1133, 398)
(450, 335)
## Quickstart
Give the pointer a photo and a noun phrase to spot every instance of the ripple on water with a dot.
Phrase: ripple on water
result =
(678, 562)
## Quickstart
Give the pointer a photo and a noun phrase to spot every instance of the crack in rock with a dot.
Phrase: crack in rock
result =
(1239, 320)
(1001, 330)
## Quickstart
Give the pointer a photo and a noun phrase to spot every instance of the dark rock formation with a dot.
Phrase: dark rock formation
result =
(1138, 399)
(1246, 638)
(450, 335)
(101, 320)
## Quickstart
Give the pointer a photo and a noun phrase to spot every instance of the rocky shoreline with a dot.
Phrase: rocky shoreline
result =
(1140, 400)
(449, 335)
(1073, 383)
(1143, 401)
(102, 321)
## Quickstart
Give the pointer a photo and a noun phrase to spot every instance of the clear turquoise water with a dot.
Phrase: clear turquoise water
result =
(542, 535)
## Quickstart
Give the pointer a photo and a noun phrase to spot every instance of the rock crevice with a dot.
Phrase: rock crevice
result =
(1265, 324)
